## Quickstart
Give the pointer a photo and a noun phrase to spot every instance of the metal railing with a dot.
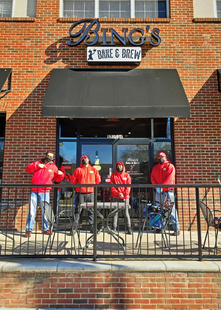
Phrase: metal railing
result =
(151, 222)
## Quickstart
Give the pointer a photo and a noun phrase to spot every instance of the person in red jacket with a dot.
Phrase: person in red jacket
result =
(44, 172)
(85, 174)
(164, 173)
(121, 193)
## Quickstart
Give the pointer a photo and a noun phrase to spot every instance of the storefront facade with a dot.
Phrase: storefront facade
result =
(131, 122)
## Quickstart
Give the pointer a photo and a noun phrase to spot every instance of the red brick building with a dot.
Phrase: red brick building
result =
(36, 116)
(33, 46)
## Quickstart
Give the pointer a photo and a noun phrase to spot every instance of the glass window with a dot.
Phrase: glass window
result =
(5, 8)
(114, 9)
(20, 9)
(67, 156)
(67, 128)
(126, 128)
(136, 160)
(73, 8)
(31, 8)
(162, 147)
(219, 8)
(100, 156)
(162, 128)
(150, 9)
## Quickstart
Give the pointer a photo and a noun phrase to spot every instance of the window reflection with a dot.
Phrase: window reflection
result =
(136, 160)
(162, 147)
(68, 151)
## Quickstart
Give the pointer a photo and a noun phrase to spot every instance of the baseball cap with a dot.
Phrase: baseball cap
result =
(82, 157)
(162, 154)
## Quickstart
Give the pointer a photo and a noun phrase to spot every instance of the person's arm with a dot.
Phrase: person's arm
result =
(74, 178)
(58, 175)
(97, 177)
(170, 178)
(33, 167)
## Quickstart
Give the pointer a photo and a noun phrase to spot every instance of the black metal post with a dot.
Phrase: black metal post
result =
(198, 224)
(95, 225)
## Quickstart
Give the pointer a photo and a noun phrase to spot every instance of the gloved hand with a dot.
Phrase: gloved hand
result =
(159, 190)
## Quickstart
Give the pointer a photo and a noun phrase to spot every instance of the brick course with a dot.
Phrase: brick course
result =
(72, 290)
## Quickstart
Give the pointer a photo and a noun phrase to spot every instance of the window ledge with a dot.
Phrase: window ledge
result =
(117, 20)
(17, 19)
(207, 20)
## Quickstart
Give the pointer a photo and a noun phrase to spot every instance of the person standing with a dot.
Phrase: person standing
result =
(85, 174)
(164, 173)
(121, 194)
(44, 172)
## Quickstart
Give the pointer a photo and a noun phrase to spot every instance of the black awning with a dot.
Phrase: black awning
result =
(219, 78)
(5, 73)
(133, 93)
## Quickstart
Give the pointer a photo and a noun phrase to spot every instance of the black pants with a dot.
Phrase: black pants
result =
(78, 199)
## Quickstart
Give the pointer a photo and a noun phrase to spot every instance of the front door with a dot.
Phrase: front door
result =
(100, 156)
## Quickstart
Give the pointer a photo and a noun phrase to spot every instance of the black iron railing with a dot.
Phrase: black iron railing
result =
(155, 230)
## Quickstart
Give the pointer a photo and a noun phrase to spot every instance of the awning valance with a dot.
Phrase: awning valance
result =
(133, 93)
(5, 73)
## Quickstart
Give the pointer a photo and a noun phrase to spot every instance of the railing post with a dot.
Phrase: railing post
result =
(95, 225)
(198, 224)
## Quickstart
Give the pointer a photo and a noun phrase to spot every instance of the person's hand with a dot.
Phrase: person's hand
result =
(41, 166)
(60, 172)
(159, 190)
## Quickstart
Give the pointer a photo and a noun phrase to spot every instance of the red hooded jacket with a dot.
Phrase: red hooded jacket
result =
(44, 175)
(163, 174)
(85, 175)
(120, 178)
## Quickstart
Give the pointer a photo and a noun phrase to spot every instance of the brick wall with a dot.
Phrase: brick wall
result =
(34, 46)
(111, 290)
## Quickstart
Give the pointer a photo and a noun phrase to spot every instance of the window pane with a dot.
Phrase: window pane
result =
(162, 147)
(136, 160)
(79, 5)
(218, 9)
(5, 8)
(114, 9)
(68, 5)
(31, 8)
(127, 128)
(68, 128)
(150, 8)
(78, 8)
(162, 128)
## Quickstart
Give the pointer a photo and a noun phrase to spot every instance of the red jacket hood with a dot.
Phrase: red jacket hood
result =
(120, 163)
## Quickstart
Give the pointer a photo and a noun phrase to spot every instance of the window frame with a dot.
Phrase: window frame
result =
(215, 8)
(96, 8)
(26, 9)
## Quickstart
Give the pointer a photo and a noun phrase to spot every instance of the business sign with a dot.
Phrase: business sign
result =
(114, 54)
(89, 35)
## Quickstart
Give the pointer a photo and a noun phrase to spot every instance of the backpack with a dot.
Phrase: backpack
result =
(150, 210)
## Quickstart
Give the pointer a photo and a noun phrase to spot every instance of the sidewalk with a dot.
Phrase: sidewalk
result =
(62, 265)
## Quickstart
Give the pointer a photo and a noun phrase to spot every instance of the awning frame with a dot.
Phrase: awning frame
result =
(5, 74)
(218, 79)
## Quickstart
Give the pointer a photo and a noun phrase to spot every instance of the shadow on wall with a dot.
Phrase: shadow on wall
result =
(60, 51)
(198, 139)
